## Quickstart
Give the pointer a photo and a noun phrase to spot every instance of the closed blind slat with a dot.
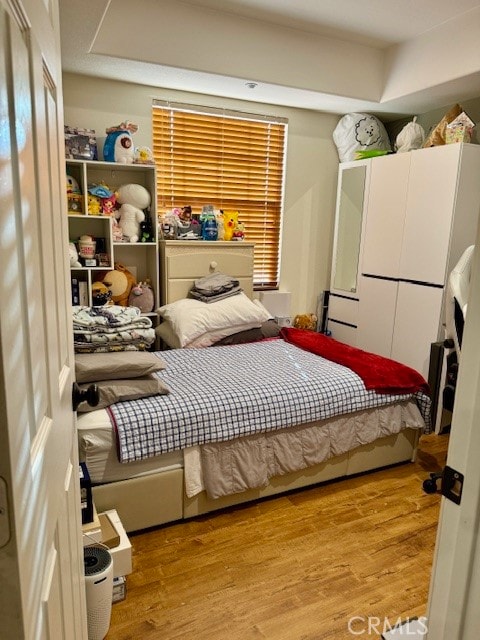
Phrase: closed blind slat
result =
(233, 163)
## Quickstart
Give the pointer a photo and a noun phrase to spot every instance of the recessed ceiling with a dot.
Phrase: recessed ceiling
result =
(382, 56)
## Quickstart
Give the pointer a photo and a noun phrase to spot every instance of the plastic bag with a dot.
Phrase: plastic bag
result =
(359, 131)
(412, 136)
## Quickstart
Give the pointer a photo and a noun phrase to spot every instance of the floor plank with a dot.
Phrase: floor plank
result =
(315, 564)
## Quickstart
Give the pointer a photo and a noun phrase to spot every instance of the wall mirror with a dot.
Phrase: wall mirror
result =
(349, 228)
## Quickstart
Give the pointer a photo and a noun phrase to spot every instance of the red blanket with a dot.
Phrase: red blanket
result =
(378, 373)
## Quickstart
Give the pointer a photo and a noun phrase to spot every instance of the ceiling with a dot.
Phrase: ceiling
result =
(389, 57)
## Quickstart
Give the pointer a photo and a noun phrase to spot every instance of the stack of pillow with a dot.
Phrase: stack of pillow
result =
(189, 323)
(126, 375)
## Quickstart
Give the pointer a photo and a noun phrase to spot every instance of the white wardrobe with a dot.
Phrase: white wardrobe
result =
(420, 212)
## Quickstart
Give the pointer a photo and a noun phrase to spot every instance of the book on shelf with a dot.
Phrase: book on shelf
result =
(83, 293)
(75, 291)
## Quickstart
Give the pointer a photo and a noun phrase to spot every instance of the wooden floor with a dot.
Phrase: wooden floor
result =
(316, 564)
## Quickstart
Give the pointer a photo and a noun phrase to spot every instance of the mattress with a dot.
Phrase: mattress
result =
(98, 449)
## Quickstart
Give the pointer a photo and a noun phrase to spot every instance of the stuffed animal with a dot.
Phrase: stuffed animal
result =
(119, 282)
(118, 145)
(141, 296)
(74, 261)
(101, 294)
(143, 155)
(239, 233)
(133, 198)
(94, 205)
(305, 321)
(230, 221)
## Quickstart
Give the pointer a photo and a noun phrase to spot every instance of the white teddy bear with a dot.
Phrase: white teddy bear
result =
(74, 261)
(133, 198)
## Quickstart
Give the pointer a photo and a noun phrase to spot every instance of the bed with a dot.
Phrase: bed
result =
(239, 438)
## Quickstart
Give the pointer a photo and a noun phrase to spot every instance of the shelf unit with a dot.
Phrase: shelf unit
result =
(141, 258)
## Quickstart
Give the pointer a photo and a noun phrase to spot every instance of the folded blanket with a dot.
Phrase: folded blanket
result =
(216, 286)
(378, 373)
(107, 317)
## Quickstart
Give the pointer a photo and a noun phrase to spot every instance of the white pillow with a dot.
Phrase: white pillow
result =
(191, 319)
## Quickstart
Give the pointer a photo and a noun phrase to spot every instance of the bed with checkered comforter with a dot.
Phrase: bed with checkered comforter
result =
(223, 393)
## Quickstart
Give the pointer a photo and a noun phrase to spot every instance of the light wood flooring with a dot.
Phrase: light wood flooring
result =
(295, 567)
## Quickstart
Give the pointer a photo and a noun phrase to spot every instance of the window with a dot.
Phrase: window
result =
(231, 160)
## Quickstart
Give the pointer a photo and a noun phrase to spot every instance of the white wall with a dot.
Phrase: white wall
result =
(312, 167)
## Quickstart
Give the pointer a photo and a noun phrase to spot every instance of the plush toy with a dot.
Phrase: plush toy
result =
(146, 230)
(133, 198)
(118, 145)
(117, 235)
(141, 296)
(230, 221)
(239, 233)
(143, 155)
(305, 321)
(119, 282)
(74, 261)
(101, 294)
(94, 205)
(74, 196)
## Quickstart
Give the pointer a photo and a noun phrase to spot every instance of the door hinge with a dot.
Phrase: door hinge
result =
(452, 484)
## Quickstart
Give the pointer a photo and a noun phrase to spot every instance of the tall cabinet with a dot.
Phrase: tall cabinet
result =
(141, 258)
(421, 212)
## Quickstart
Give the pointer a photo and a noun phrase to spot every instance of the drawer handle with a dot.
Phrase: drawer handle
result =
(213, 265)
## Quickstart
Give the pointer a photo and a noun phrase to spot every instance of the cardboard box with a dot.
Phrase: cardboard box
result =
(80, 143)
(92, 531)
(110, 536)
(121, 553)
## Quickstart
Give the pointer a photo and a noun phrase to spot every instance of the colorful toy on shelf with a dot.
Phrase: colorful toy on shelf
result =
(73, 253)
(107, 198)
(118, 145)
(141, 296)
(230, 221)
(94, 205)
(143, 155)
(101, 294)
(239, 233)
(74, 196)
(133, 198)
(119, 282)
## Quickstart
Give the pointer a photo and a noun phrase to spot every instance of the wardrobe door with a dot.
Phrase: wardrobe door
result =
(430, 206)
(417, 325)
(386, 203)
(376, 317)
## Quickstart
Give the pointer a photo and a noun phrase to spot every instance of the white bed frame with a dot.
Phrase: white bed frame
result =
(159, 498)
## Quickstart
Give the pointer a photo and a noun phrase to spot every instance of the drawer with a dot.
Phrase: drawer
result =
(342, 332)
(196, 262)
(343, 310)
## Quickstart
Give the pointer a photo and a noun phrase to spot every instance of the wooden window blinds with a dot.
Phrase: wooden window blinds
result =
(230, 160)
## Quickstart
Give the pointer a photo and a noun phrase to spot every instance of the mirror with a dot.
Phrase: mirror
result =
(349, 228)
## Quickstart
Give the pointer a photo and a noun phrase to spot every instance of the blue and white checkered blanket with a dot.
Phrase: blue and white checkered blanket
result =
(222, 393)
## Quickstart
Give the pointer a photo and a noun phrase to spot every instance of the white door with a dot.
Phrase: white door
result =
(430, 205)
(376, 315)
(453, 612)
(417, 324)
(386, 204)
(41, 566)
